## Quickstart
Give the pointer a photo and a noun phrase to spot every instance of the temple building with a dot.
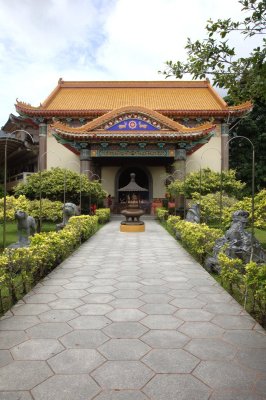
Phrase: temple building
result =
(109, 129)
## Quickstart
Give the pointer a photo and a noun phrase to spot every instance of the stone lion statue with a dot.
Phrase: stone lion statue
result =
(69, 210)
(193, 214)
(26, 226)
(239, 243)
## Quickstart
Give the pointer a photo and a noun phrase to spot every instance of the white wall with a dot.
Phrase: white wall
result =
(209, 155)
(158, 174)
(108, 179)
(59, 156)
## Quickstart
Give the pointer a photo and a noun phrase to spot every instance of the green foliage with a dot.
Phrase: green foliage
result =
(253, 127)
(51, 210)
(247, 282)
(45, 252)
(161, 213)
(198, 239)
(54, 182)
(206, 181)
(210, 209)
(245, 204)
(243, 77)
(103, 215)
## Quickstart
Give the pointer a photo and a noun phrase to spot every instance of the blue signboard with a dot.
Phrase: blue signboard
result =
(133, 125)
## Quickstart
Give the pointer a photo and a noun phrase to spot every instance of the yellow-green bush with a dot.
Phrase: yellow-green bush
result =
(46, 251)
(161, 213)
(198, 239)
(103, 215)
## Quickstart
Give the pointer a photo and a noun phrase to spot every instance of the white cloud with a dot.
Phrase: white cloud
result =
(43, 40)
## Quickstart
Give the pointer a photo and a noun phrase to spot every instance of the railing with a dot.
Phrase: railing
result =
(15, 179)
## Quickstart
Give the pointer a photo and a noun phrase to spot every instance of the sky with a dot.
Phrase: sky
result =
(44, 40)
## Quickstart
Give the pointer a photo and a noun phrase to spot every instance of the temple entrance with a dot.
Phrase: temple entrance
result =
(143, 178)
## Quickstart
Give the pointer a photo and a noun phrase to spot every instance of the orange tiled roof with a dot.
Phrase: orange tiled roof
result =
(166, 97)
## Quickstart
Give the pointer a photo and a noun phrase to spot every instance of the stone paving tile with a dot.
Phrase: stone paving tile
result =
(5, 357)
(23, 375)
(122, 375)
(121, 395)
(15, 396)
(173, 387)
(233, 375)
(66, 387)
(36, 349)
(135, 318)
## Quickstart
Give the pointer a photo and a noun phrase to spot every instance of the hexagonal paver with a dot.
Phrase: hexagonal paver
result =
(121, 395)
(201, 329)
(173, 386)
(66, 304)
(23, 375)
(158, 308)
(58, 315)
(48, 289)
(103, 282)
(37, 349)
(15, 396)
(126, 315)
(66, 387)
(94, 309)
(77, 285)
(194, 315)
(5, 357)
(224, 308)
(89, 322)
(18, 322)
(98, 298)
(101, 289)
(126, 303)
(170, 361)
(49, 330)
(253, 358)
(127, 294)
(168, 339)
(211, 349)
(187, 303)
(161, 322)
(72, 294)
(234, 321)
(40, 298)
(30, 309)
(86, 339)
(246, 338)
(234, 395)
(224, 374)
(76, 361)
(124, 349)
(154, 289)
(122, 375)
(9, 339)
(125, 330)
(156, 298)
(128, 285)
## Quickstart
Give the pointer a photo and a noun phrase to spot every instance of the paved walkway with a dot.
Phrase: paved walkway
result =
(131, 316)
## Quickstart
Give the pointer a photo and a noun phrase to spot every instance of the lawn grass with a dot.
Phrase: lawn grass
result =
(11, 232)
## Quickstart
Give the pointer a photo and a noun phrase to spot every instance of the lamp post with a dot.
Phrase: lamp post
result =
(91, 175)
(252, 188)
(5, 177)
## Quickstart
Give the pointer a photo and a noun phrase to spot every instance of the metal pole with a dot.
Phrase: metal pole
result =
(5, 176)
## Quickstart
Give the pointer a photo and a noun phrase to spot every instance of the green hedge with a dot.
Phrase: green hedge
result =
(161, 213)
(21, 268)
(198, 239)
(103, 215)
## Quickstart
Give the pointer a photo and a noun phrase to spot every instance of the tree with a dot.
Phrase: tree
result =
(244, 78)
(253, 127)
(207, 181)
(53, 183)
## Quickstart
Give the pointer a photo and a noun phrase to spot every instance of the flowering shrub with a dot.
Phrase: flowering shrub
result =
(103, 215)
(198, 239)
(161, 213)
(51, 210)
(45, 252)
